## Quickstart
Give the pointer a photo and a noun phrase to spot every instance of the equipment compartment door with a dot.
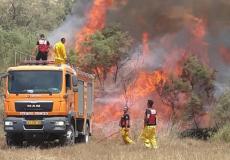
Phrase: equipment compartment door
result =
(89, 99)
(80, 97)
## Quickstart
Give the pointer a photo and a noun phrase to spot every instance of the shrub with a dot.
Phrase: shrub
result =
(221, 111)
(223, 134)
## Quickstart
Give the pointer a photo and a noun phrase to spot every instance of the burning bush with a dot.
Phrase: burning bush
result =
(145, 73)
(196, 84)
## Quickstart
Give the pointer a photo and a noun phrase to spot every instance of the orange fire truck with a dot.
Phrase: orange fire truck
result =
(47, 102)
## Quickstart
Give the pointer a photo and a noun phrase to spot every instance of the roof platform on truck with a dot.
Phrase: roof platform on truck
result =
(34, 62)
(50, 65)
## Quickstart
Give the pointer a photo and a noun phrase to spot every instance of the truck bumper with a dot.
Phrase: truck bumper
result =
(46, 125)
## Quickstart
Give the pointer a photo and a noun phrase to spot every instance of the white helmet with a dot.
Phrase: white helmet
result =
(126, 108)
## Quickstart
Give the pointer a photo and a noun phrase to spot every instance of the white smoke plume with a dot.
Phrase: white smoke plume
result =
(73, 23)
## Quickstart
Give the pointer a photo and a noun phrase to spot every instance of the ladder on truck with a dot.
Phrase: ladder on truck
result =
(21, 56)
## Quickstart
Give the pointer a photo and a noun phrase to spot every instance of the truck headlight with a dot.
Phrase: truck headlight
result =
(59, 123)
(8, 123)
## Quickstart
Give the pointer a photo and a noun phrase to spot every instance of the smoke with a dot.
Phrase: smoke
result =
(173, 17)
(175, 28)
(73, 23)
(162, 17)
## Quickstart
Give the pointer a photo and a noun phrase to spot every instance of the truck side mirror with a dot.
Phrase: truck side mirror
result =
(75, 84)
(75, 81)
(3, 75)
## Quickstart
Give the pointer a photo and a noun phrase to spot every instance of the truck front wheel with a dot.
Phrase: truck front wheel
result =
(14, 139)
(69, 137)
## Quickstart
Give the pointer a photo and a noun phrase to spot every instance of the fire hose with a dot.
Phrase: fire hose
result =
(115, 133)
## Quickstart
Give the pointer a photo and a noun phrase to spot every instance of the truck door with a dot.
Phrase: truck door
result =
(69, 93)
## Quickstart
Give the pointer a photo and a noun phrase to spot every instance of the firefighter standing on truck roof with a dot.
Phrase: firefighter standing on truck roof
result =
(125, 125)
(148, 134)
(60, 52)
(43, 48)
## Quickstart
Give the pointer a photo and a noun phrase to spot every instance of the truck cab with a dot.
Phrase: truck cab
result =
(52, 102)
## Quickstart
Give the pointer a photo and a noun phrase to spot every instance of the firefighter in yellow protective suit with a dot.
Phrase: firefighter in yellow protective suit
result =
(125, 125)
(60, 52)
(148, 134)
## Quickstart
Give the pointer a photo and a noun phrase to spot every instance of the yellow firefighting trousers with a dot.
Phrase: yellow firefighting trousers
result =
(125, 136)
(148, 135)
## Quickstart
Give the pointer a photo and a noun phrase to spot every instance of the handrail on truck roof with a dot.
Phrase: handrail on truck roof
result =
(35, 62)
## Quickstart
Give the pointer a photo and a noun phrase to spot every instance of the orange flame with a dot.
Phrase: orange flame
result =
(199, 30)
(108, 111)
(145, 84)
(198, 45)
(145, 43)
(95, 21)
(225, 54)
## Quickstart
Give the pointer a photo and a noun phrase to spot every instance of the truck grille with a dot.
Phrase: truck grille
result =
(33, 106)
(33, 127)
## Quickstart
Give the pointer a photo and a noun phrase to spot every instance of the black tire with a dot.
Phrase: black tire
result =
(14, 140)
(69, 137)
(84, 138)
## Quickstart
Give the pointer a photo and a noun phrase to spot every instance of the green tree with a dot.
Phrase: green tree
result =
(11, 41)
(72, 56)
(221, 111)
(103, 50)
(196, 82)
(201, 79)
(193, 108)
(32, 14)
(21, 21)
(170, 90)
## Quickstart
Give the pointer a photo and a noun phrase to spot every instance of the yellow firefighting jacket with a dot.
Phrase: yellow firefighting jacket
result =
(60, 53)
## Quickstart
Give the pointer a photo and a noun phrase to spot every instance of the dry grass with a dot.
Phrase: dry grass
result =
(169, 149)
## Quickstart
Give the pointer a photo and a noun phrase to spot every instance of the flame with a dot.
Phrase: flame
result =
(108, 111)
(225, 54)
(173, 63)
(199, 31)
(95, 21)
(145, 43)
(197, 44)
(145, 84)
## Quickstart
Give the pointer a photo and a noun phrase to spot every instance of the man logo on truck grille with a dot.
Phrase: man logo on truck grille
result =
(33, 105)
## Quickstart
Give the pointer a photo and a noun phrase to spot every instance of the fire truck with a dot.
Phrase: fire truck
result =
(47, 102)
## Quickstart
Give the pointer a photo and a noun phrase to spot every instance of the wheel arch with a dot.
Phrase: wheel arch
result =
(71, 120)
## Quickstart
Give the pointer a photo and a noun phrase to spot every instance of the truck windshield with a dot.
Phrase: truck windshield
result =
(33, 82)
